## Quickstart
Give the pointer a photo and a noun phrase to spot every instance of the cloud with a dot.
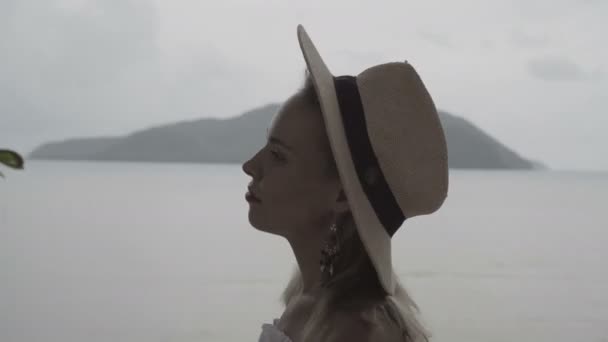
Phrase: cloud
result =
(438, 39)
(528, 40)
(561, 69)
(363, 57)
(594, 2)
(94, 44)
(97, 68)
(487, 44)
(54, 58)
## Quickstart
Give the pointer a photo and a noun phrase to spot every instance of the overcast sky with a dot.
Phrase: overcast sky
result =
(532, 73)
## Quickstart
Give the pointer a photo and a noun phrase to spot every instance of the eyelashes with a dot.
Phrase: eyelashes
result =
(276, 155)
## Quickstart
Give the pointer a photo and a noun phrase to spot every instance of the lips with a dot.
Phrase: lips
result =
(251, 197)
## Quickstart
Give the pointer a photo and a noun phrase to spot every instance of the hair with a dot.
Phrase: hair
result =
(355, 286)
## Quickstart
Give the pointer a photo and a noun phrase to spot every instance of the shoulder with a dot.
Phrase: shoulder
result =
(364, 325)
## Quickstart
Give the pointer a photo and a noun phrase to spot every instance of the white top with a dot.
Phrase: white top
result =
(270, 333)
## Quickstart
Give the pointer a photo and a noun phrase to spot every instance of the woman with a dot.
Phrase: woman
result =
(348, 159)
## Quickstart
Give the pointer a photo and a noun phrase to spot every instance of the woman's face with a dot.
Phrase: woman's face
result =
(290, 173)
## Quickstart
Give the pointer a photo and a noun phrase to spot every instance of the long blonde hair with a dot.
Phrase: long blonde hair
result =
(355, 287)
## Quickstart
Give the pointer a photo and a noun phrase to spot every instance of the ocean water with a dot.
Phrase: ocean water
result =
(164, 252)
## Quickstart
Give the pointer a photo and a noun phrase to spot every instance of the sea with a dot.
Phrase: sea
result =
(112, 252)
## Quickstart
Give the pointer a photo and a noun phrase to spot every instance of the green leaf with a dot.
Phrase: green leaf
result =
(11, 159)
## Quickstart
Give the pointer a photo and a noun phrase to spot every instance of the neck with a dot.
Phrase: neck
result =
(307, 250)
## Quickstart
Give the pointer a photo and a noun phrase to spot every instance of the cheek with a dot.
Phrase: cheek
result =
(284, 185)
(292, 198)
(296, 201)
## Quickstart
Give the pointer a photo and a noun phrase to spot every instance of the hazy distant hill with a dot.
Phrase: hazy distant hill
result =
(73, 149)
(235, 139)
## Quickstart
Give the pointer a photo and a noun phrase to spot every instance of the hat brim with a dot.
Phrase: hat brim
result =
(375, 239)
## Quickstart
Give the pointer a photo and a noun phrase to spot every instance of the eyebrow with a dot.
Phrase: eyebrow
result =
(277, 141)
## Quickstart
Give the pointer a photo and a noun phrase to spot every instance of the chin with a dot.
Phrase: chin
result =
(265, 228)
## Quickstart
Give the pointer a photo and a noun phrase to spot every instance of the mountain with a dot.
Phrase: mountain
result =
(234, 140)
(471, 148)
(73, 149)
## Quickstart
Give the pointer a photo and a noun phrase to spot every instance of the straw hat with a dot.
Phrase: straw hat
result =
(383, 118)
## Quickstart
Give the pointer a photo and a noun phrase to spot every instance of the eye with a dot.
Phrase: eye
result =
(276, 155)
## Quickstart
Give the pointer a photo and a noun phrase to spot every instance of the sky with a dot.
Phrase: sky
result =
(531, 73)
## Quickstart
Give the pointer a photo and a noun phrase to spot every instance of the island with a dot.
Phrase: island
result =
(235, 139)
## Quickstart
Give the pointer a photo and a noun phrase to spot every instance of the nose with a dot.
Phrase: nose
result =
(253, 166)
(248, 167)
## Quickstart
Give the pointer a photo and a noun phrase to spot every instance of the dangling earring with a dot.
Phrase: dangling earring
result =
(329, 252)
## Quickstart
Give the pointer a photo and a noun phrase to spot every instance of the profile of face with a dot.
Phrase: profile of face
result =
(290, 174)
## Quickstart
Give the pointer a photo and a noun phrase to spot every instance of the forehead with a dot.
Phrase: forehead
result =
(298, 124)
